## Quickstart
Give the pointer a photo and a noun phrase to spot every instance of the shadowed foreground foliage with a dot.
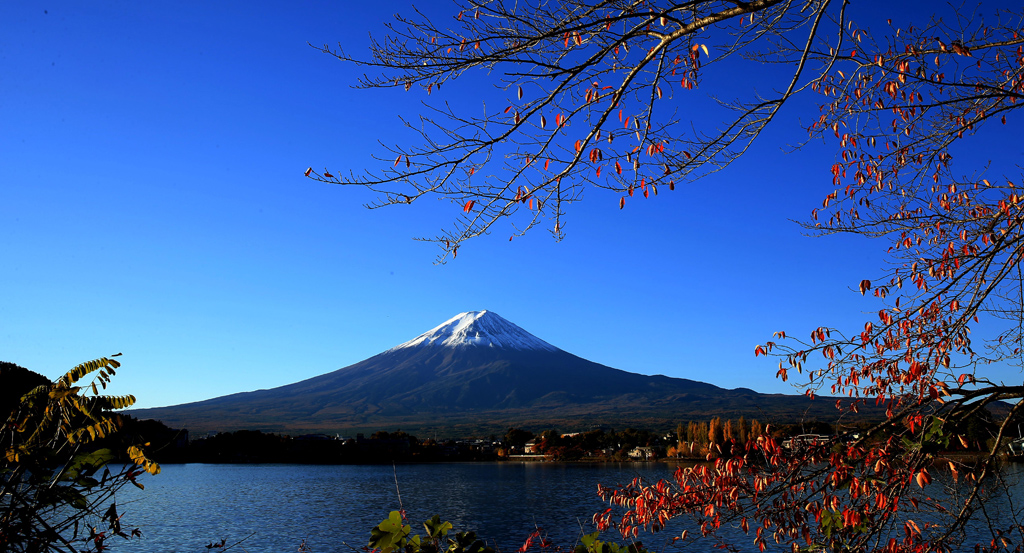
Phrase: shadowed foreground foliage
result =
(393, 535)
(57, 484)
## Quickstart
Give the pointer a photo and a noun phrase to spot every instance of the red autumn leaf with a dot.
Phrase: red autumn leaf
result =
(308, 171)
(622, 202)
(468, 206)
(923, 478)
(865, 285)
(328, 175)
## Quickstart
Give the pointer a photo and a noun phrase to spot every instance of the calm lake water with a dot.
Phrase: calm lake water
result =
(275, 507)
(334, 507)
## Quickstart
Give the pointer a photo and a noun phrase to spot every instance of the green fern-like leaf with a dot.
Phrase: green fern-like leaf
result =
(116, 402)
(139, 458)
(31, 399)
(76, 374)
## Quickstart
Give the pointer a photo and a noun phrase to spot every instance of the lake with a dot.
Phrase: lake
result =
(334, 507)
(275, 507)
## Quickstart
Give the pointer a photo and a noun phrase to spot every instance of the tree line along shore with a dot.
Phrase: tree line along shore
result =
(693, 440)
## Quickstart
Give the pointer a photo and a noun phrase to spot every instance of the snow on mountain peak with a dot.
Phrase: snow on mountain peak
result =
(478, 328)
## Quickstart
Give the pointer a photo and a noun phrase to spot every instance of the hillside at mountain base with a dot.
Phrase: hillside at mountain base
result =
(478, 373)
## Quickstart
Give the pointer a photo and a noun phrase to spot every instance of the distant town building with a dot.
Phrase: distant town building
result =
(643, 453)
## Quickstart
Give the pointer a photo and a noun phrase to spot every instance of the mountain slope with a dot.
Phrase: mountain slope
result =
(475, 371)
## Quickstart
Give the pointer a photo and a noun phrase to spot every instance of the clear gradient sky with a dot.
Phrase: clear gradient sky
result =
(152, 202)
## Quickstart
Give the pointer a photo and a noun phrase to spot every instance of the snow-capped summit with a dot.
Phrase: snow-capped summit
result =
(478, 328)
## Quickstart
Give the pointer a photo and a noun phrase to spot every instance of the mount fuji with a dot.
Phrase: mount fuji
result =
(478, 328)
(478, 372)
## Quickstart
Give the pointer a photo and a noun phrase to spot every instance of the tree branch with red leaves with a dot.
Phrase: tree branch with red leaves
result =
(898, 108)
(594, 96)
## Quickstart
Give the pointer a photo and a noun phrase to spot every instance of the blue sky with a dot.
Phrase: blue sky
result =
(152, 202)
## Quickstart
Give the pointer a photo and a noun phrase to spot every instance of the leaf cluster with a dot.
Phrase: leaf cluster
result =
(590, 544)
(392, 535)
(57, 485)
